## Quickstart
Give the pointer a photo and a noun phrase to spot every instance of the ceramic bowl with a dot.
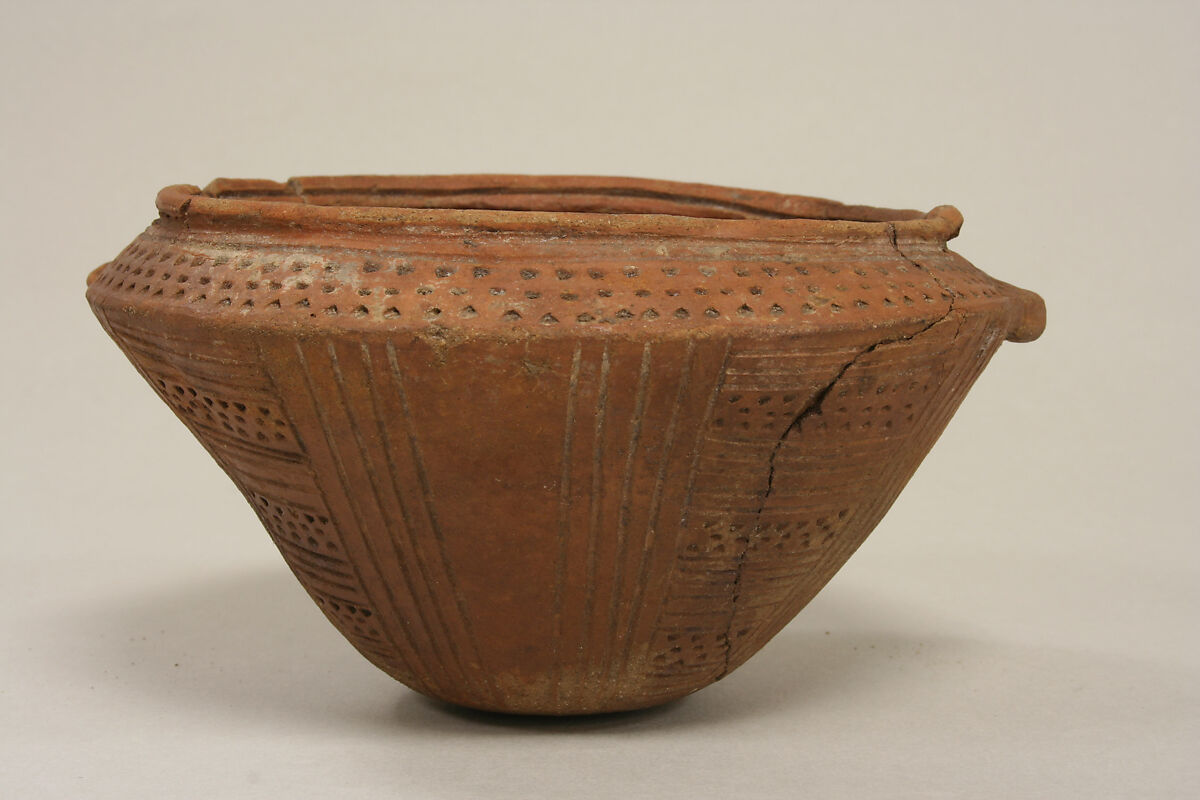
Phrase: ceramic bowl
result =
(556, 445)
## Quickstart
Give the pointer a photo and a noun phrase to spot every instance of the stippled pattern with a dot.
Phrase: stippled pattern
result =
(464, 282)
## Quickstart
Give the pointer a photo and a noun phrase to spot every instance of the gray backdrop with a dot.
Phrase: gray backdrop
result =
(1023, 623)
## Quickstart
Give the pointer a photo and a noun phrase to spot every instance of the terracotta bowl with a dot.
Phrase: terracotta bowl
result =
(556, 445)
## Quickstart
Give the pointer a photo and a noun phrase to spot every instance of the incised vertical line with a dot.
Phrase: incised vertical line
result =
(596, 503)
(656, 496)
(331, 442)
(635, 433)
(426, 580)
(564, 514)
(435, 527)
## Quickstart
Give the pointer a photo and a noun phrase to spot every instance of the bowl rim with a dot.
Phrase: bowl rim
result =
(340, 202)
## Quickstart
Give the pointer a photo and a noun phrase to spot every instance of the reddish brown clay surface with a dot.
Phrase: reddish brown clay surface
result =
(556, 445)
